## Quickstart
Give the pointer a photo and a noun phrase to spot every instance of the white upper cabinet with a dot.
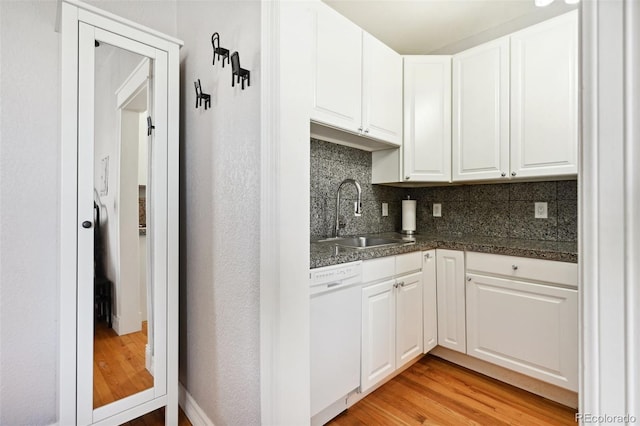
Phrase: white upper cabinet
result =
(337, 71)
(427, 119)
(357, 84)
(381, 91)
(544, 98)
(481, 112)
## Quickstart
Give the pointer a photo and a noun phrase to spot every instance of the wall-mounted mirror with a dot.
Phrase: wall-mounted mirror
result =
(123, 299)
(126, 208)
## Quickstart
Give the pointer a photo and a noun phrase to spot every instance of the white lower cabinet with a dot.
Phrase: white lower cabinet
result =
(378, 333)
(408, 318)
(391, 316)
(527, 326)
(451, 299)
(429, 301)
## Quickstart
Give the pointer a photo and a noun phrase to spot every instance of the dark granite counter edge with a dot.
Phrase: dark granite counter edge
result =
(352, 255)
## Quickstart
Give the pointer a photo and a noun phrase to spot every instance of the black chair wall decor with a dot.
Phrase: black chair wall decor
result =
(218, 51)
(239, 73)
(200, 96)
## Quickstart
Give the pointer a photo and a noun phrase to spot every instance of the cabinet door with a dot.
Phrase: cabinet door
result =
(409, 338)
(378, 333)
(451, 299)
(337, 71)
(429, 300)
(427, 118)
(526, 327)
(544, 98)
(382, 91)
(481, 112)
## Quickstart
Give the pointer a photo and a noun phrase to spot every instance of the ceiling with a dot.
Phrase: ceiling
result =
(413, 27)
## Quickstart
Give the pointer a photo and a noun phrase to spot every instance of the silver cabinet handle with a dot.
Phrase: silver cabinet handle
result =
(513, 173)
(503, 174)
(514, 267)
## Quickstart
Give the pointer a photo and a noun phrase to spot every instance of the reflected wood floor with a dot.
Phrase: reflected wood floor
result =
(436, 392)
(118, 364)
(156, 418)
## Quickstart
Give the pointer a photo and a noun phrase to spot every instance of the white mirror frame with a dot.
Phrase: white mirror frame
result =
(79, 23)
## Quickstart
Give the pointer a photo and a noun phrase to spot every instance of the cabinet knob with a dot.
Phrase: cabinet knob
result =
(427, 256)
(86, 224)
(401, 283)
(503, 174)
(514, 267)
(513, 173)
(407, 177)
(468, 278)
(366, 130)
(359, 129)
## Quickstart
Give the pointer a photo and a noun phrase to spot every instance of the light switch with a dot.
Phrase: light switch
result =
(385, 209)
(437, 210)
(541, 210)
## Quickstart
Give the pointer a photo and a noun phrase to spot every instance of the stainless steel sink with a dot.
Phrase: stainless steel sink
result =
(368, 242)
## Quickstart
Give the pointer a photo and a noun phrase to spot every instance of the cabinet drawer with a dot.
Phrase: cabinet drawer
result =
(410, 262)
(551, 271)
(377, 269)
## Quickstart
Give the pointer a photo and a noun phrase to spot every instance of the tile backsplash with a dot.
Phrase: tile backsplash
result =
(496, 210)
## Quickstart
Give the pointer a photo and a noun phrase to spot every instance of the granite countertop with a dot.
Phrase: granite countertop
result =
(327, 253)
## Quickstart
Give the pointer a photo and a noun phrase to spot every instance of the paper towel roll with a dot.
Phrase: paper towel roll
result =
(408, 215)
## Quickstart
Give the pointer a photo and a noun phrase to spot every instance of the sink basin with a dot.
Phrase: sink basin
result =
(368, 242)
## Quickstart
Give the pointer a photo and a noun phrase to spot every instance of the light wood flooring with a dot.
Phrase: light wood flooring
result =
(118, 364)
(436, 392)
(156, 418)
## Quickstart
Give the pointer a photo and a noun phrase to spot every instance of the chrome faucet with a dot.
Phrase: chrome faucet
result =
(358, 207)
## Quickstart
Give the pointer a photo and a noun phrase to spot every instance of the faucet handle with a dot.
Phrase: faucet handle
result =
(357, 207)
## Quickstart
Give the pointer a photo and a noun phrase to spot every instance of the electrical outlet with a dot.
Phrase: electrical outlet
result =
(385, 209)
(541, 210)
(437, 210)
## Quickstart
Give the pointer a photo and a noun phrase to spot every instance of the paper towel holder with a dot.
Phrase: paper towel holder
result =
(413, 219)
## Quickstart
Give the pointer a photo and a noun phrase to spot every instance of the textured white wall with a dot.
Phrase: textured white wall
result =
(29, 126)
(220, 166)
(29, 189)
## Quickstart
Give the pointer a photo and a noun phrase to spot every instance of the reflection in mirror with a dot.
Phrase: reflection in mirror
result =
(123, 335)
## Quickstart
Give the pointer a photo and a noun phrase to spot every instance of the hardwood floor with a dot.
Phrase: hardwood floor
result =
(118, 364)
(156, 418)
(436, 392)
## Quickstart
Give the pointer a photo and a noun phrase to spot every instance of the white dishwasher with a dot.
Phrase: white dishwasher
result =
(336, 305)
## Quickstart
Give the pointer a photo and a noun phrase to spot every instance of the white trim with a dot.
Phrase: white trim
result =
(68, 214)
(117, 19)
(284, 257)
(134, 83)
(269, 225)
(609, 185)
(192, 410)
(632, 195)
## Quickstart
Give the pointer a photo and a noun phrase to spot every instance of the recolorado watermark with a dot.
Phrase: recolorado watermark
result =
(604, 418)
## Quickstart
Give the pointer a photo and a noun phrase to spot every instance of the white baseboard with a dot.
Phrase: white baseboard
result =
(191, 409)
